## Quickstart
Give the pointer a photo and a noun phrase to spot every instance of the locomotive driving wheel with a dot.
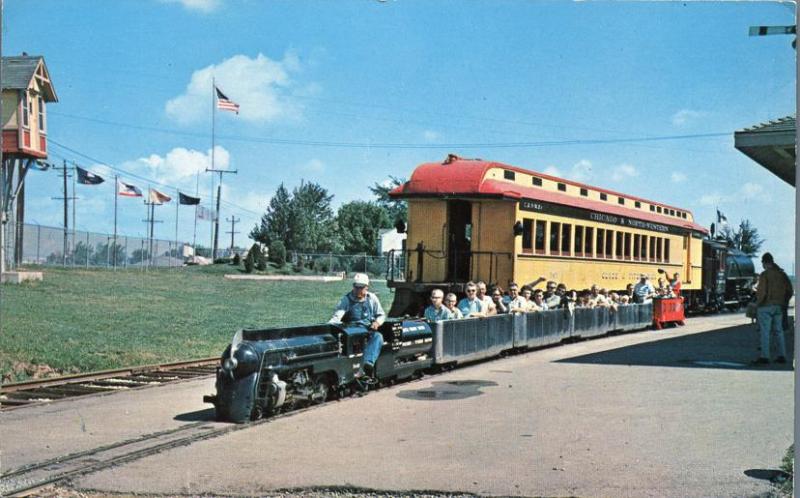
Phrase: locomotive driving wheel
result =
(322, 389)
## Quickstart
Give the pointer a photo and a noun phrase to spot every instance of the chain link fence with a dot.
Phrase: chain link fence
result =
(45, 245)
(375, 266)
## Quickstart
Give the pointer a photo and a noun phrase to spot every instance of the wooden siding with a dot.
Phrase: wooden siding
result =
(427, 220)
(492, 228)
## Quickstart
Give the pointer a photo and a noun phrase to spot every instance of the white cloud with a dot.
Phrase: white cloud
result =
(179, 166)
(204, 6)
(684, 116)
(256, 84)
(713, 199)
(581, 171)
(313, 166)
(678, 177)
(552, 171)
(431, 136)
(751, 190)
(624, 171)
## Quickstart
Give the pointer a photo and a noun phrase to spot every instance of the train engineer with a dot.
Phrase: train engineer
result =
(363, 307)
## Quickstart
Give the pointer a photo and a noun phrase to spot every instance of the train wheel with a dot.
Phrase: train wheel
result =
(322, 389)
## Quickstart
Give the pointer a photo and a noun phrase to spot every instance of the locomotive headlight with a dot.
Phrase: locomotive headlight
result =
(243, 361)
(230, 364)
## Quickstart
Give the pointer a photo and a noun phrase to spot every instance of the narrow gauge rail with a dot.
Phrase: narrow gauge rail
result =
(21, 394)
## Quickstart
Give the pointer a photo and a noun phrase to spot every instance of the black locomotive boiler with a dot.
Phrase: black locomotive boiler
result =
(264, 371)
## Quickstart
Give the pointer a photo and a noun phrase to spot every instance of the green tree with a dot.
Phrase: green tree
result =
(313, 219)
(249, 262)
(396, 208)
(745, 238)
(105, 253)
(358, 223)
(277, 253)
(277, 222)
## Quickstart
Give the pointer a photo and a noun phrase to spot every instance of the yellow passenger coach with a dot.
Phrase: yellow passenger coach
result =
(470, 219)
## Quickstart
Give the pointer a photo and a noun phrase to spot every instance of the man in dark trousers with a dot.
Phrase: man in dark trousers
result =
(772, 297)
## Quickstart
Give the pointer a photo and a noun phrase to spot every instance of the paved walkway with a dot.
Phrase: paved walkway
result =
(670, 413)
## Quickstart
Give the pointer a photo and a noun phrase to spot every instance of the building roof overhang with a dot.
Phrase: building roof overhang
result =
(772, 145)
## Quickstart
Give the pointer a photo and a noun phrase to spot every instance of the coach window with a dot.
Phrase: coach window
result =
(539, 237)
(652, 251)
(609, 244)
(621, 200)
(603, 197)
(555, 229)
(644, 248)
(599, 248)
(584, 192)
(578, 240)
(637, 204)
(527, 235)
(620, 244)
(636, 244)
(562, 187)
(508, 175)
(652, 208)
(566, 235)
(658, 248)
(588, 241)
(537, 181)
(627, 246)
(658, 209)
(666, 250)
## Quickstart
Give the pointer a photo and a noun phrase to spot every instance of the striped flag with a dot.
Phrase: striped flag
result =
(159, 198)
(128, 190)
(224, 103)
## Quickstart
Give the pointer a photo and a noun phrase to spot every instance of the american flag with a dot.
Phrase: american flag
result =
(128, 190)
(225, 103)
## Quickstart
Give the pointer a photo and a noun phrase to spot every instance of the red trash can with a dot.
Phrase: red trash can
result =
(667, 310)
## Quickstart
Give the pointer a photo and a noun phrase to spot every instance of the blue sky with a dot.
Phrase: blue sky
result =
(418, 80)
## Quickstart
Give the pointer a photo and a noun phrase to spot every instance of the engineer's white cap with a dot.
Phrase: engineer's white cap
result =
(360, 280)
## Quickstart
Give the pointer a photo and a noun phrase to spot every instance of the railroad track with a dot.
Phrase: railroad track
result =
(31, 479)
(22, 394)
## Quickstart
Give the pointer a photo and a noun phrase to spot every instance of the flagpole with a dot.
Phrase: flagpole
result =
(177, 212)
(74, 199)
(114, 248)
(197, 194)
(213, 118)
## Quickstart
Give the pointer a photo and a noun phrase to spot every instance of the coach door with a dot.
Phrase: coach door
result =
(459, 240)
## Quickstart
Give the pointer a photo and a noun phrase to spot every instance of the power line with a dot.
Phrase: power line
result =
(417, 145)
(138, 177)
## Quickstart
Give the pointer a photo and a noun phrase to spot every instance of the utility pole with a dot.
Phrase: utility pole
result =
(64, 175)
(216, 216)
(233, 221)
(150, 220)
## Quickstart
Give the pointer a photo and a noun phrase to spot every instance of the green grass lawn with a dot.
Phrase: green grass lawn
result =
(83, 320)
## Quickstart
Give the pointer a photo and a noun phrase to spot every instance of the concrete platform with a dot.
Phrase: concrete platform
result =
(670, 413)
(287, 278)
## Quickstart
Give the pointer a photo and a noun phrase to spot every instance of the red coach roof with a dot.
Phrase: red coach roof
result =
(466, 177)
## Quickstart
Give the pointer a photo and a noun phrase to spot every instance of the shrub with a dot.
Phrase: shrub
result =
(277, 253)
(237, 260)
(221, 261)
(299, 266)
(249, 262)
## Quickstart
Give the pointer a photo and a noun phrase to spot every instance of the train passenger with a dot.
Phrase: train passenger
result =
(471, 305)
(551, 295)
(773, 295)
(497, 300)
(527, 293)
(363, 307)
(597, 298)
(643, 292)
(537, 303)
(450, 302)
(629, 292)
(488, 305)
(513, 300)
(675, 284)
(437, 311)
